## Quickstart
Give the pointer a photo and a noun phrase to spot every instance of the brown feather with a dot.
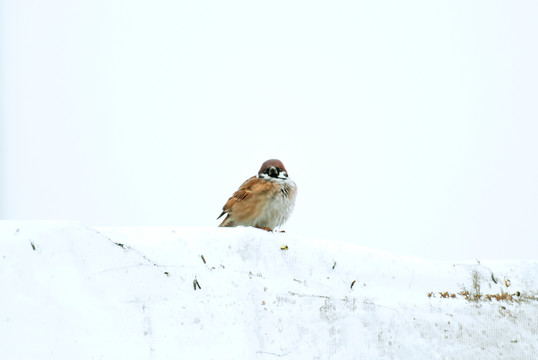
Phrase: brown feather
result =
(243, 204)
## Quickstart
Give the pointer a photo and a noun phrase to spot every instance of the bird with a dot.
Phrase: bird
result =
(264, 201)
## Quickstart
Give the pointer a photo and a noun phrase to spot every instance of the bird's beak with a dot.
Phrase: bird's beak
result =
(273, 171)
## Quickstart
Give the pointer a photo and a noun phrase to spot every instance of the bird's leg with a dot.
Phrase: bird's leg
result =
(264, 228)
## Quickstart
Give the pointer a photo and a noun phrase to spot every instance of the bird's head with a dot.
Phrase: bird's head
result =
(273, 169)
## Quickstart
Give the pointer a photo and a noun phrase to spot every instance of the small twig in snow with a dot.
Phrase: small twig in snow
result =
(270, 353)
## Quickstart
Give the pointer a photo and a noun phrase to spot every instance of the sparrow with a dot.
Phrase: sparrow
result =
(264, 201)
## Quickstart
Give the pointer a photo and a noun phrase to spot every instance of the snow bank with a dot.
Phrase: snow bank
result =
(74, 292)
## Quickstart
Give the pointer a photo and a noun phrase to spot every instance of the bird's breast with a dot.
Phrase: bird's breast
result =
(278, 204)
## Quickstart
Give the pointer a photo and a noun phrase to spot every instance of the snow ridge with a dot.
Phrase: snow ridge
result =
(243, 293)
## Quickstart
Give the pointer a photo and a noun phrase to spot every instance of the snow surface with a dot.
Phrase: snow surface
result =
(74, 292)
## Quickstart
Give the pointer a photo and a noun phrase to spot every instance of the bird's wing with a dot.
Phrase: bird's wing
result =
(241, 194)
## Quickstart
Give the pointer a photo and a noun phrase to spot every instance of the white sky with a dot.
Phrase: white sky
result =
(408, 126)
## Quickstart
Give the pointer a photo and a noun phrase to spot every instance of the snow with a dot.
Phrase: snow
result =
(72, 291)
